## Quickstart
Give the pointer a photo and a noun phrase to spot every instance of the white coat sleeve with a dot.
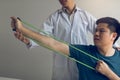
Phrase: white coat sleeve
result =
(47, 27)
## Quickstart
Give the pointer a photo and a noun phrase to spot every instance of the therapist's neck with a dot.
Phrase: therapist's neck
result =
(71, 8)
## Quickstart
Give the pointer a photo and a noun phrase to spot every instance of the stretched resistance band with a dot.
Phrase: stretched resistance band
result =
(31, 26)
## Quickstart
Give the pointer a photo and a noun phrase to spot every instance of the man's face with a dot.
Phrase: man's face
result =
(66, 3)
(103, 35)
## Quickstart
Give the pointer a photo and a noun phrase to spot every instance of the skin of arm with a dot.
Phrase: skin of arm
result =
(45, 40)
(104, 69)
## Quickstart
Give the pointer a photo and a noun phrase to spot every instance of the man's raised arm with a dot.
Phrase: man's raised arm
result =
(44, 40)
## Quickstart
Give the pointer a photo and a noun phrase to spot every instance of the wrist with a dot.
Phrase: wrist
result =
(27, 43)
(112, 76)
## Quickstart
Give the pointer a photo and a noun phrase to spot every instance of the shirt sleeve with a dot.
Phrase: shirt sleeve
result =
(32, 44)
(78, 51)
(91, 22)
(47, 28)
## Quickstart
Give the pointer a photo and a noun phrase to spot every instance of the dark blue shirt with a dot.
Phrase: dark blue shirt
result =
(87, 73)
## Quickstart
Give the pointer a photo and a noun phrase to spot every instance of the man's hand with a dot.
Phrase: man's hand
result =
(21, 37)
(104, 69)
(16, 25)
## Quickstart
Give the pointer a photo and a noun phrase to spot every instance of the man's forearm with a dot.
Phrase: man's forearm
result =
(112, 76)
(46, 41)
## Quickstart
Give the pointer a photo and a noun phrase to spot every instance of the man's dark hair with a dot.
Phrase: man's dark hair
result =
(113, 25)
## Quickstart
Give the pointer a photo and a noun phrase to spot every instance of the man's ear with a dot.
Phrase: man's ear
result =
(114, 36)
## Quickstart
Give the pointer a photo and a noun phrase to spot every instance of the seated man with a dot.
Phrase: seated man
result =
(103, 59)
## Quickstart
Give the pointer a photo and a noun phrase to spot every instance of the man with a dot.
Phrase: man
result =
(71, 25)
(106, 34)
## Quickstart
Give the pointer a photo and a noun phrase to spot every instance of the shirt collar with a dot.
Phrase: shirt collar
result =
(65, 10)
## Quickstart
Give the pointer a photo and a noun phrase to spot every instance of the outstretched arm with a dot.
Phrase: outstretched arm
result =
(104, 69)
(45, 40)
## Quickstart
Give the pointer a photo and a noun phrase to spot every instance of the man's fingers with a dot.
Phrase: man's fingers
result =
(16, 34)
(19, 36)
(13, 23)
(13, 18)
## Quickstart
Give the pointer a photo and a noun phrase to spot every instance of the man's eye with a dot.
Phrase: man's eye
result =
(102, 31)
